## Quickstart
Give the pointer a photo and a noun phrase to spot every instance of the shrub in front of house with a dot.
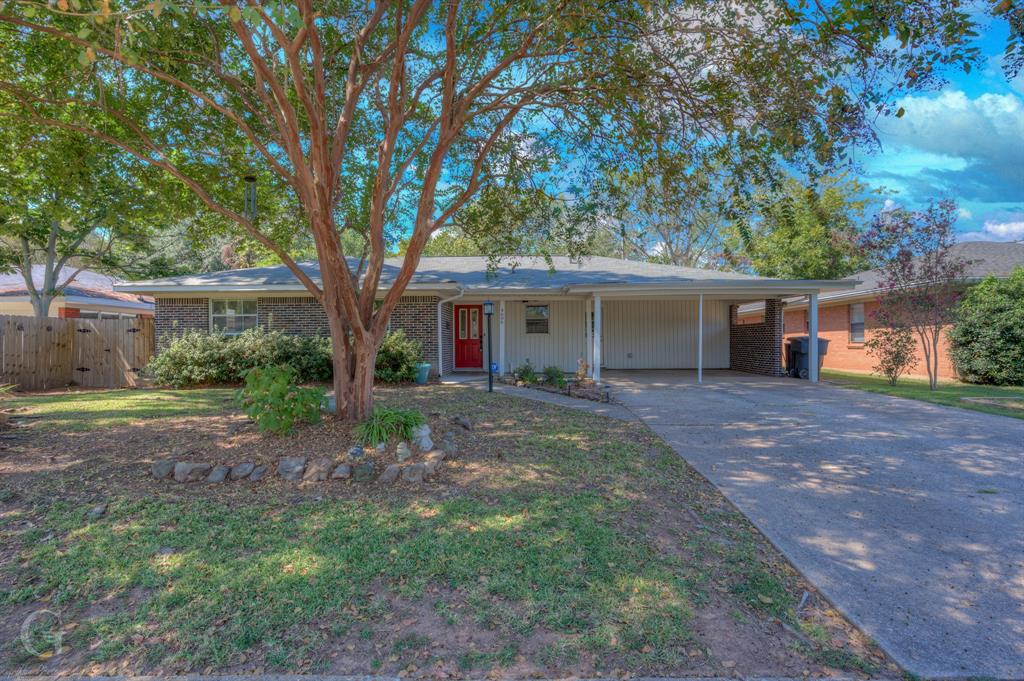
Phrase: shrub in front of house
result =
(895, 349)
(397, 358)
(987, 338)
(196, 358)
(272, 398)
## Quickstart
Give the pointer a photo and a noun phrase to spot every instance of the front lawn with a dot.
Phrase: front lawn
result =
(553, 542)
(991, 399)
(89, 409)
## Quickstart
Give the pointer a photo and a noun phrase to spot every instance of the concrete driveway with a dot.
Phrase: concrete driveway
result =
(908, 516)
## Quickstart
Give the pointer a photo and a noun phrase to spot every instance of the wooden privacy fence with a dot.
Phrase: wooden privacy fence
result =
(37, 354)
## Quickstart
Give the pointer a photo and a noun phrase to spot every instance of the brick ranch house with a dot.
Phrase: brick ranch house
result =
(848, 317)
(641, 315)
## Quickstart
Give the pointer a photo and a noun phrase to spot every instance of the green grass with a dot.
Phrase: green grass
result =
(948, 393)
(553, 541)
(91, 409)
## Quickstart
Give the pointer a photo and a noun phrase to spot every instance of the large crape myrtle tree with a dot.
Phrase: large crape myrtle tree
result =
(393, 118)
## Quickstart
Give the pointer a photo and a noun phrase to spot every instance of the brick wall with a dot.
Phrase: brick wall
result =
(294, 315)
(175, 316)
(417, 315)
(757, 348)
(302, 315)
(834, 325)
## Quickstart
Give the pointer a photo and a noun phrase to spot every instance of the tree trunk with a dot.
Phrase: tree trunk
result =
(353, 364)
(41, 304)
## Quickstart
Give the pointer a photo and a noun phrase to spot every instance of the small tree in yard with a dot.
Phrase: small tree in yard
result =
(394, 118)
(896, 351)
(921, 278)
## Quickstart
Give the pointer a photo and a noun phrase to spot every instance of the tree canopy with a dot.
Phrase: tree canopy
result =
(69, 202)
(804, 231)
(398, 117)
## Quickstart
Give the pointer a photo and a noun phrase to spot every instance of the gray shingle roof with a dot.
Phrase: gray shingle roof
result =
(986, 258)
(472, 272)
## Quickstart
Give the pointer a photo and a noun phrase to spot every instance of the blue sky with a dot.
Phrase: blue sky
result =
(966, 142)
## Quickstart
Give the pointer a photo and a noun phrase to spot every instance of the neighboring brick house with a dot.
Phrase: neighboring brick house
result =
(90, 295)
(847, 318)
(615, 314)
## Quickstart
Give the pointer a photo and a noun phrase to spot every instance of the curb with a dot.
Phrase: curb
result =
(328, 677)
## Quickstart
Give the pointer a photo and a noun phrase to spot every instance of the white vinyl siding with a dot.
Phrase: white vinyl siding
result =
(561, 346)
(662, 334)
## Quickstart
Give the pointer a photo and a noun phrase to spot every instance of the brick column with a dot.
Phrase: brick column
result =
(757, 348)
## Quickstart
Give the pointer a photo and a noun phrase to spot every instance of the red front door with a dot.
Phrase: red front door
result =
(469, 334)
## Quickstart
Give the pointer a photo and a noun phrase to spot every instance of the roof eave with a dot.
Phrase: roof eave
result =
(164, 289)
(777, 286)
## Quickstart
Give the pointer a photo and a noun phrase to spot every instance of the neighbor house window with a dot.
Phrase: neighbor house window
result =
(232, 316)
(857, 323)
(537, 317)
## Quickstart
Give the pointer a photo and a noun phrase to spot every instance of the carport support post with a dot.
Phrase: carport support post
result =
(501, 337)
(700, 339)
(586, 334)
(812, 324)
(597, 339)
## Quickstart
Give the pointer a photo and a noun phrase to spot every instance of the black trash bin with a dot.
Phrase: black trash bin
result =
(798, 354)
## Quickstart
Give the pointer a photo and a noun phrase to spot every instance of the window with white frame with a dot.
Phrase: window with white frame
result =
(232, 317)
(857, 323)
(537, 318)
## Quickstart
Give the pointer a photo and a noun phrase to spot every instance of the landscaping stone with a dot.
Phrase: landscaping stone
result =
(390, 474)
(430, 467)
(381, 446)
(185, 471)
(413, 473)
(436, 455)
(403, 452)
(218, 474)
(96, 512)
(318, 470)
(290, 467)
(342, 472)
(242, 470)
(162, 469)
(257, 473)
(425, 444)
(421, 431)
(463, 422)
(364, 472)
(355, 453)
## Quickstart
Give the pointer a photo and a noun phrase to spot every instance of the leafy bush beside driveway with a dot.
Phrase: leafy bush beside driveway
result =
(987, 337)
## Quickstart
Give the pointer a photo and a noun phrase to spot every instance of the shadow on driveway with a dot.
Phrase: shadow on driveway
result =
(908, 516)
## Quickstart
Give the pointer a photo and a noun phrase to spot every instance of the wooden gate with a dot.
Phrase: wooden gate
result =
(37, 354)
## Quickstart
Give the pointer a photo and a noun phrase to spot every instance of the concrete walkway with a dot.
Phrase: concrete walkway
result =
(479, 381)
(908, 516)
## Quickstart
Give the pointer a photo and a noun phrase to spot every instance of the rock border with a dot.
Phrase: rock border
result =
(355, 466)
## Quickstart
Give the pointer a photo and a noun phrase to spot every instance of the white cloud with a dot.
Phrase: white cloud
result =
(1013, 230)
(965, 213)
(992, 230)
(958, 146)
